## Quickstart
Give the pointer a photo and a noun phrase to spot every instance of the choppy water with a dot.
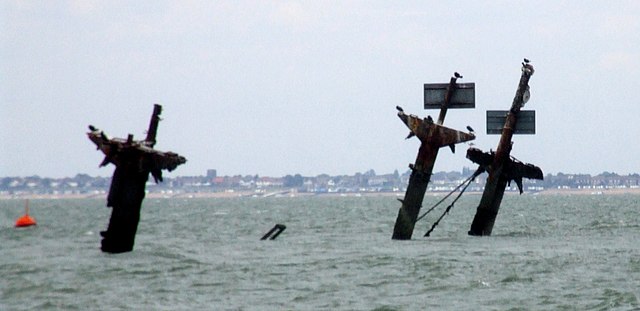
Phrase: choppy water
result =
(546, 253)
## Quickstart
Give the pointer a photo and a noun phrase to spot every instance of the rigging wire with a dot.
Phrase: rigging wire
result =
(468, 181)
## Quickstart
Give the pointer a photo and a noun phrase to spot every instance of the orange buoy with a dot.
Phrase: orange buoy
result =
(25, 220)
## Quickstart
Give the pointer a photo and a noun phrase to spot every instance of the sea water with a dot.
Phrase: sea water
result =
(547, 252)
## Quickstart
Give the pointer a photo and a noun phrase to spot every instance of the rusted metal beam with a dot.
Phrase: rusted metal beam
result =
(274, 232)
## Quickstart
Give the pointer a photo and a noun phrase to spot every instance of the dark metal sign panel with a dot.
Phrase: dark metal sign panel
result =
(526, 122)
(463, 97)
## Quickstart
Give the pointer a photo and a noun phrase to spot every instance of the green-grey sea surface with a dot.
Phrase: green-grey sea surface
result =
(547, 252)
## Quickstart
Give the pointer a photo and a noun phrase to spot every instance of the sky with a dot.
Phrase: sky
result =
(284, 87)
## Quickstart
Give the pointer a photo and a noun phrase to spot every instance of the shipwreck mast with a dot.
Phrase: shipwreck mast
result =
(134, 160)
(433, 136)
(499, 165)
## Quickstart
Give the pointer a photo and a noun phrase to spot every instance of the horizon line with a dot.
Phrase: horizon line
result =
(294, 174)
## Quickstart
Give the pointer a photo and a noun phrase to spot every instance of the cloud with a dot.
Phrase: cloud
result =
(618, 25)
(291, 14)
(620, 60)
(84, 7)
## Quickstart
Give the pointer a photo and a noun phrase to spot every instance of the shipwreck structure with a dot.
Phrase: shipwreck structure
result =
(500, 166)
(134, 160)
(433, 136)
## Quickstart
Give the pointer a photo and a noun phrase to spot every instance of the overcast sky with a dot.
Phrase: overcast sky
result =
(284, 87)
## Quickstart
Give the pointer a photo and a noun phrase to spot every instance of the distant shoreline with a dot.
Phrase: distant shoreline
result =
(250, 194)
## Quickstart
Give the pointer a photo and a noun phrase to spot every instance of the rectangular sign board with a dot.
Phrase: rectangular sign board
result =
(526, 122)
(464, 96)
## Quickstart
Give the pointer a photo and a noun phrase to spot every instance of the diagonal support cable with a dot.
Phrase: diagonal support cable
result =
(468, 181)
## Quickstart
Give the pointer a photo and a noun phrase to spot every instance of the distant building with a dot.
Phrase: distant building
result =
(211, 174)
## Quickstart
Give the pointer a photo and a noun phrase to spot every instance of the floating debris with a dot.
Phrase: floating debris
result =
(274, 232)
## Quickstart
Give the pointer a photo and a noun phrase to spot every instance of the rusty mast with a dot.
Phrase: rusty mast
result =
(134, 161)
(433, 136)
(501, 167)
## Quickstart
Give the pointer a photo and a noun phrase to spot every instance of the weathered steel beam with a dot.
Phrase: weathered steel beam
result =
(274, 232)
(153, 125)
(433, 136)
(418, 182)
(134, 160)
(500, 166)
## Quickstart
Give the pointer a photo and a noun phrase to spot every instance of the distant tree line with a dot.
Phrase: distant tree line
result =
(368, 181)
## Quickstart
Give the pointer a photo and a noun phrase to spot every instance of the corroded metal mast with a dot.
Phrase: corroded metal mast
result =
(500, 166)
(432, 136)
(134, 160)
